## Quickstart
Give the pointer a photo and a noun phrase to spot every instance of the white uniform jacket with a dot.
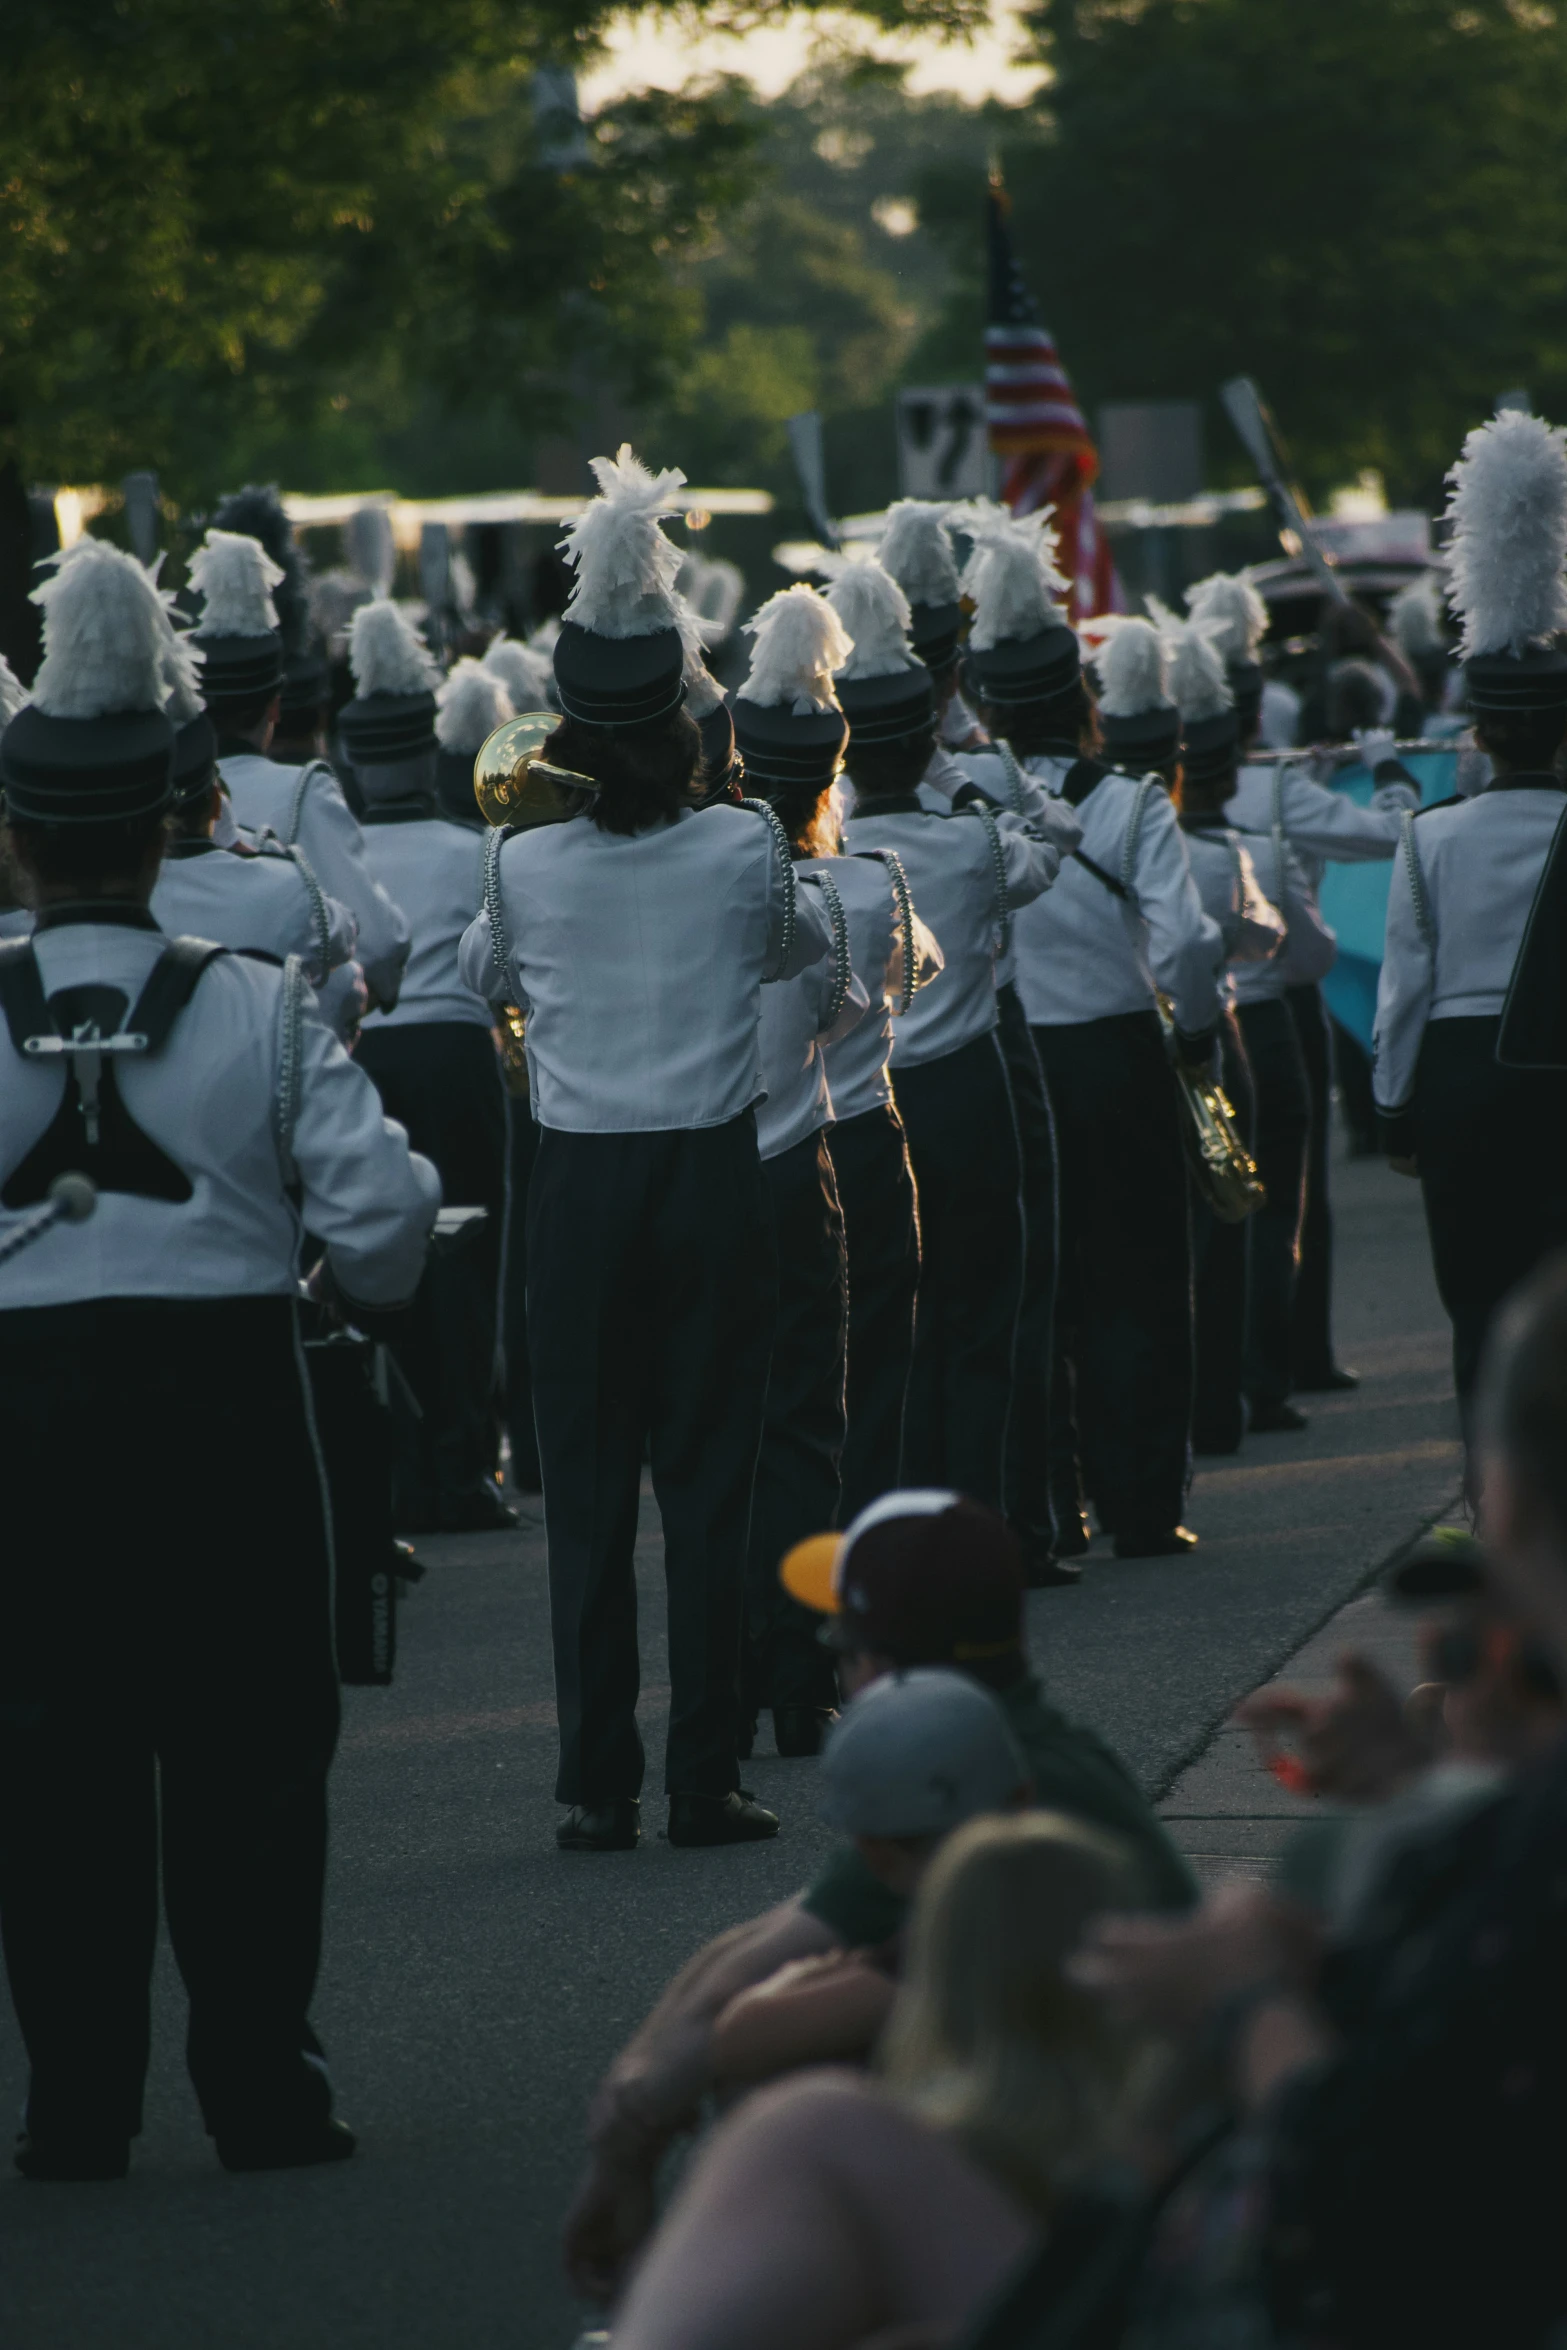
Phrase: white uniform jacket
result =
(266, 903)
(640, 961)
(306, 805)
(1463, 883)
(969, 875)
(858, 1061)
(1087, 953)
(1295, 828)
(434, 870)
(211, 1100)
(1251, 929)
(799, 1019)
(1004, 782)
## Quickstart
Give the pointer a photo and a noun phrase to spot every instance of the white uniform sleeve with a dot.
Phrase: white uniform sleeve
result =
(1031, 861)
(334, 844)
(1403, 997)
(1311, 948)
(929, 961)
(1258, 929)
(1330, 824)
(1185, 949)
(365, 1193)
(812, 925)
(476, 962)
(344, 1000)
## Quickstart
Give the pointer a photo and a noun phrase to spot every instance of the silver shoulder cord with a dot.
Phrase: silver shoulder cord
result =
(500, 944)
(1417, 883)
(290, 1063)
(786, 866)
(842, 968)
(1148, 785)
(318, 912)
(1014, 775)
(307, 775)
(999, 859)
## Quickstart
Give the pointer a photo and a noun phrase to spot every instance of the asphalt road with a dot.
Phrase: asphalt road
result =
(476, 1980)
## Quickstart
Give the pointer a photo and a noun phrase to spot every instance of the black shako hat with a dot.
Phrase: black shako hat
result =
(618, 680)
(384, 730)
(789, 728)
(238, 635)
(391, 718)
(1210, 746)
(889, 709)
(1149, 737)
(782, 749)
(108, 770)
(935, 631)
(1501, 683)
(1021, 670)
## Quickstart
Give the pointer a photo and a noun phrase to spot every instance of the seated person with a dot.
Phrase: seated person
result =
(918, 1578)
(913, 1757)
(832, 2209)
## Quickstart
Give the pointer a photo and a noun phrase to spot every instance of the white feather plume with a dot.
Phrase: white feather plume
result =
(1506, 557)
(1132, 659)
(1011, 574)
(525, 674)
(875, 613)
(1415, 616)
(106, 635)
(182, 662)
(471, 704)
(1197, 673)
(13, 694)
(1232, 611)
(625, 566)
(800, 642)
(917, 551)
(234, 576)
(385, 655)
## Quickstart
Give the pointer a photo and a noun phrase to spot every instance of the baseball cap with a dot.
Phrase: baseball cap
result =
(926, 1576)
(919, 1753)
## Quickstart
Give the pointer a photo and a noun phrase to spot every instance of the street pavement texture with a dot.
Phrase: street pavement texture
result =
(476, 1981)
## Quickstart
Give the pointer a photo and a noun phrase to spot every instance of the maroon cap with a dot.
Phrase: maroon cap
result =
(924, 1578)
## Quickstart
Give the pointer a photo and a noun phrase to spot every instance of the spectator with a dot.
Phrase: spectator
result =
(832, 2208)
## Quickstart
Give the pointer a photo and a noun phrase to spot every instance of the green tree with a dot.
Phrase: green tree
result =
(1363, 203)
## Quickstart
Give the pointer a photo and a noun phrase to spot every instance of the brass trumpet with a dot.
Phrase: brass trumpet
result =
(516, 790)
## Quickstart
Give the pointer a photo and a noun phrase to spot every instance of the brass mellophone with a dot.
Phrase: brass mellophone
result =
(517, 789)
(1225, 1170)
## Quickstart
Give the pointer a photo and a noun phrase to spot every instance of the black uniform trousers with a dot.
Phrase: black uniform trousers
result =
(798, 1483)
(1028, 1432)
(957, 1113)
(440, 1079)
(870, 1156)
(1122, 1395)
(652, 1295)
(1311, 1331)
(1492, 1150)
(522, 1143)
(1221, 1260)
(1283, 1130)
(167, 1692)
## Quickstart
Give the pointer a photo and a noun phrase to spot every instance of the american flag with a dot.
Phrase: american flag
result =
(1036, 426)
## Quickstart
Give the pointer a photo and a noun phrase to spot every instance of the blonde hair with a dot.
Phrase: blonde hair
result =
(989, 2039)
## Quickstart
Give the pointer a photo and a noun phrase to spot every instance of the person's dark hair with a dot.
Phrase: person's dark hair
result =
(803, 811)
(63, 853)
(1202, 795)
(648, 773)
(240, 713)
(1521, 1407)
(1354, 698)
(1029, 726)
(881, 771)
(1524, 738)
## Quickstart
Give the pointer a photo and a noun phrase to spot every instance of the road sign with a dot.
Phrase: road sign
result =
(942, 451)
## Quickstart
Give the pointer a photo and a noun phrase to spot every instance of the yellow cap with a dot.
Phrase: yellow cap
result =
(809, 1573)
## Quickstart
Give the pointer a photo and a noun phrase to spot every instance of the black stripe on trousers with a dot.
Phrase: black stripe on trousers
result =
(652, 1295)
(957, 1113)
(1492, 1151)
(870, 1156)
(798, 1486)
(166, 1678)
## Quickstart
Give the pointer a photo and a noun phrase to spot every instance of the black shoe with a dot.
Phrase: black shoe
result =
(601, 1827)
(85, 2159)
(1073, 1534)
(1328, 1380)
(799, 1729)
(480, 1508)
(1043, 1571)
(1277, 1419)
(719, 1819)
(1160, 1542)
(328, 2141)
(407, 1566)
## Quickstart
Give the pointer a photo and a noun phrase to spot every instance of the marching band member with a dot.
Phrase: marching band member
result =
(1123, 920)
(1470, 1056)
(433, 1061)
(885, 697)
(1250, 931)
(168, 1698)
(969, 873)
(1279, 807)
(790, 732)
(638, 936)
(305, 694)
(242, 672)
